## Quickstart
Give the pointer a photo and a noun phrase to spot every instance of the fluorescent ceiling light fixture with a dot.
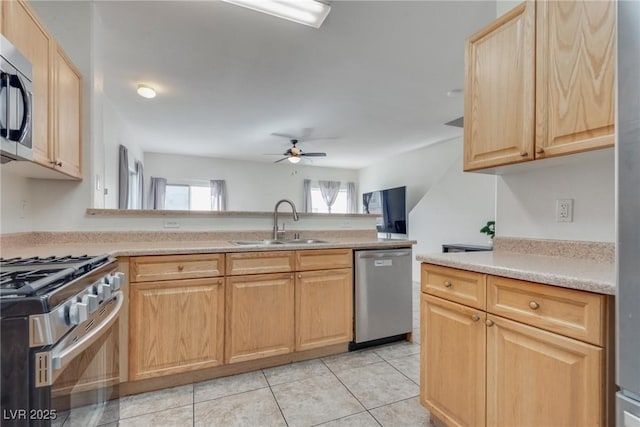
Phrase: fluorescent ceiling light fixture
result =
(307, 12)
(146, 91)
(294, 159)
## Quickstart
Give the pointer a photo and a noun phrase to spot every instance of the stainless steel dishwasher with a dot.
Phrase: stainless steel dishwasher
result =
(383, 310)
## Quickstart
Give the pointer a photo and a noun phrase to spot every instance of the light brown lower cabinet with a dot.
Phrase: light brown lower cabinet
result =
(452, 378)
(175, 326)
(260, 316)
(538, 378)
(324, 308)
(479, 368)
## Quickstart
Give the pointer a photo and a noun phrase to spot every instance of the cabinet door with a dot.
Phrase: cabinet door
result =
(575, 100)
(452, 361)
(67, 101)
(260, 317)
(499, 93)
(175, 327)
(559, 380)
(29, 37)
(324, 308)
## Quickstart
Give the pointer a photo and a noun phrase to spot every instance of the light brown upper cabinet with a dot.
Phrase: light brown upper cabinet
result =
(57, 93)
(499, 93)
(540, 83)
(575, 96)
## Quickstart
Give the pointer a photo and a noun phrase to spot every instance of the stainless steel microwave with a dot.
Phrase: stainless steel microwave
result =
(16, 103)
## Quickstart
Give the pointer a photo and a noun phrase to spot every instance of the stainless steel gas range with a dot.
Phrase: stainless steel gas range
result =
(59, 321)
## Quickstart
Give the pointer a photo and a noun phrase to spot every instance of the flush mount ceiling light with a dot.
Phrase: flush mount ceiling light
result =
(146, 91)
(294, 159)
(307, 12)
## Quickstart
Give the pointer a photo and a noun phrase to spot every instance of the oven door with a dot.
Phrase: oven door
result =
(85, 370)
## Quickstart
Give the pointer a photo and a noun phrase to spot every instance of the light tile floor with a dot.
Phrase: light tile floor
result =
(372, 387)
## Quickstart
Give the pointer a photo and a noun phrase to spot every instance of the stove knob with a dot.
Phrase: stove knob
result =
(91, 301)
(114, 282)
(78, 313)
(104, 291)
(120, 276)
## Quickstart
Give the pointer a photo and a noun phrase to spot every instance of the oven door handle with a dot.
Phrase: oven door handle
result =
(60, 359)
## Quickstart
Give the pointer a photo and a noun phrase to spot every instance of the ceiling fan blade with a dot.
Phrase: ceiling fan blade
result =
(274, 154)
(282, 159)
(283, 135)
(314, 154)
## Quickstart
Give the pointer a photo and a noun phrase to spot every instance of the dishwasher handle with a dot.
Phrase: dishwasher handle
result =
(385, 255)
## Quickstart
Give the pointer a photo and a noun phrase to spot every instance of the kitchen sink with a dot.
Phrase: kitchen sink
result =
(257, 242)
(277, 242)
(303, 241)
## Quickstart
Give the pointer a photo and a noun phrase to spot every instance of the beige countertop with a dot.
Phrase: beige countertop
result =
(125, 248)
(566, 272)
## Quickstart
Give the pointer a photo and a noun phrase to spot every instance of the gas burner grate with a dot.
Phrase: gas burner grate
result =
(34, 261)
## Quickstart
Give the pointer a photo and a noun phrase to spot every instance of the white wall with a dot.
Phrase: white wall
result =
(417, 169)
(445, 204)
(526, 202)
(116, 132)
(251, 186)
(15, 203)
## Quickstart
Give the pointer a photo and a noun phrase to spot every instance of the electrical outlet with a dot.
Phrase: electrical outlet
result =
(564, 210)
(171, 223)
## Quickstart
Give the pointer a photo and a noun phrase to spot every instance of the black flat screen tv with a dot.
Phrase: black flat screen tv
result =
(391, 205)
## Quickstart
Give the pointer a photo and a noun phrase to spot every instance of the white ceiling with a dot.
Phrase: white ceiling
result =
(373, 79)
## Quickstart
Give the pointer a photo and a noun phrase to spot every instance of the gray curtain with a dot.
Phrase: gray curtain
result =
(329, 191)
(307, 205)
(140, 184)
(218, 194)
(351, 197)
(123, 178)
(157, 192)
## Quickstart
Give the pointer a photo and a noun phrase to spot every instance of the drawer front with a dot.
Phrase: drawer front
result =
(568, 312)
(323, 259)
(461, 286)
(173, 267)
(259, 262)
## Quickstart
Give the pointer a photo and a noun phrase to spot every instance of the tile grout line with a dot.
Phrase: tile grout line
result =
(405, 375)
(350, 392)
(275, 398)
(193, 405)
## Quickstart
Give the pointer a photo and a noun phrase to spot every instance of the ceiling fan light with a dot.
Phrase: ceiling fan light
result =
(146, 91)
(294, 159)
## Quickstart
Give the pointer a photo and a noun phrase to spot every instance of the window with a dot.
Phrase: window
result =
(187, 197)
(319, 206)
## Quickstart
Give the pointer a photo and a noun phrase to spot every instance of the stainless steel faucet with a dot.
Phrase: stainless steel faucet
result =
(276, 229)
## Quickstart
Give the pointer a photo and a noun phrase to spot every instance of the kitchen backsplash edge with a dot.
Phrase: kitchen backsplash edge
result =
(594, 251)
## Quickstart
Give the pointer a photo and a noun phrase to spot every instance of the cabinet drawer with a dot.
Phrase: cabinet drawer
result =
(323, 259)
(464, 287)
(242, 263)
(569, 312)
(172, 267)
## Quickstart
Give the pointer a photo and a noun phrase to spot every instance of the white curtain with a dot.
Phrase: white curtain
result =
(140, 184)
(329, 191)
(157, 193)
(218, 194)
(123, 178)
(351, 197)
(307, 204)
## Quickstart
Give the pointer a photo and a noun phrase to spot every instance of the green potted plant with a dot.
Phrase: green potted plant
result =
(490, 230)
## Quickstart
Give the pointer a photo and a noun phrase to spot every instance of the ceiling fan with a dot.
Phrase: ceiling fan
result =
(295, 154)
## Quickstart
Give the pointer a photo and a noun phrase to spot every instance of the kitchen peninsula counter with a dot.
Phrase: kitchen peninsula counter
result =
(564, 271)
